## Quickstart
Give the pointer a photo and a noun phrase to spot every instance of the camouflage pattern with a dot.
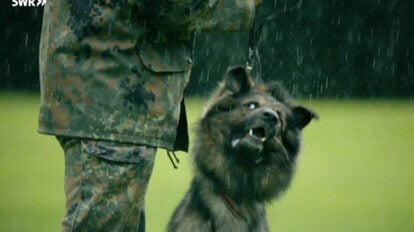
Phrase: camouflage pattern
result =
(116, 69)
(104, 187)
(112, 77)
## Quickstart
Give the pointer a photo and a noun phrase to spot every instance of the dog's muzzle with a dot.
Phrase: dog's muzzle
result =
(258, 129)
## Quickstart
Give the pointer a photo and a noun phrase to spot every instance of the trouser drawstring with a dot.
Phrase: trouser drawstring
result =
(171, 159)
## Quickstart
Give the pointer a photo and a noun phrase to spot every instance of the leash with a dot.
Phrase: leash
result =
(232, 207)
(253, 58)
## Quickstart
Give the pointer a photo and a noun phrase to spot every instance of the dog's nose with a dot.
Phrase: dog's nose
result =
(270, 115)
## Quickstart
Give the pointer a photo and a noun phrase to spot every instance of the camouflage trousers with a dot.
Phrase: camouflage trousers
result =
(105, 184)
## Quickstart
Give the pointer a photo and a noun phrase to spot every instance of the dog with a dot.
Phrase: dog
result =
(246, 147)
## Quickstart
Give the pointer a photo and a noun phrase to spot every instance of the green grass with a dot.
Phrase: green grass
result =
(355, 173)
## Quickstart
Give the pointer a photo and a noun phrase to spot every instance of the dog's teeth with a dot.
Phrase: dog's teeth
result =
(234, 142)
(251, 132)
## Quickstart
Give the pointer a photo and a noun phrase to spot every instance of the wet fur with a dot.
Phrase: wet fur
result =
(231, 160)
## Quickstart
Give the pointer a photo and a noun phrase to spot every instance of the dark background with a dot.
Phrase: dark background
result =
(348, 48)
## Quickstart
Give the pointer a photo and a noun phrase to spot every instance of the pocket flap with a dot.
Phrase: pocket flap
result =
(162, 57)
(114, 151)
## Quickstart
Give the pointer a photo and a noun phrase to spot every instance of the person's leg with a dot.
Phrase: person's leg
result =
(105, 185)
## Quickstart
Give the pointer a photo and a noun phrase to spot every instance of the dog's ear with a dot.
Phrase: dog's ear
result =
(238, 80)
(302, 116)
(277, 91)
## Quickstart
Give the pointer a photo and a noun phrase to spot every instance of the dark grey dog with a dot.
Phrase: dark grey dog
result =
(246, 146)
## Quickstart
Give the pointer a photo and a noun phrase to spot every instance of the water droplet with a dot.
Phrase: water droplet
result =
(8, 69)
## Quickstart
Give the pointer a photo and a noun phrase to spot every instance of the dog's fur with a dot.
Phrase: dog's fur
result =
(246, 146)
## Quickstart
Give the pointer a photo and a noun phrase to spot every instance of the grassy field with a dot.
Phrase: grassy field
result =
(355, 174)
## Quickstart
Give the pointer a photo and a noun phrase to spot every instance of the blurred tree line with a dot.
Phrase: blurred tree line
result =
(347, 48)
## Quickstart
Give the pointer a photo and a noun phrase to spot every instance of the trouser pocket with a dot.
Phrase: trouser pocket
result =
(105, 184)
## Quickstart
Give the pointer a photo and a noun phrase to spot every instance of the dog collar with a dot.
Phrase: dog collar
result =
(232, 207)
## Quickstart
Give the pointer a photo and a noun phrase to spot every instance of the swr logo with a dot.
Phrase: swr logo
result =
(28, 3)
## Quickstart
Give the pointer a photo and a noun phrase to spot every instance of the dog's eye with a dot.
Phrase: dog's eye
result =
(252, 105)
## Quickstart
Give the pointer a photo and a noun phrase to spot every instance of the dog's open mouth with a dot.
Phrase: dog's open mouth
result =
(255, 135)
(258, 133)
(250, 144)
